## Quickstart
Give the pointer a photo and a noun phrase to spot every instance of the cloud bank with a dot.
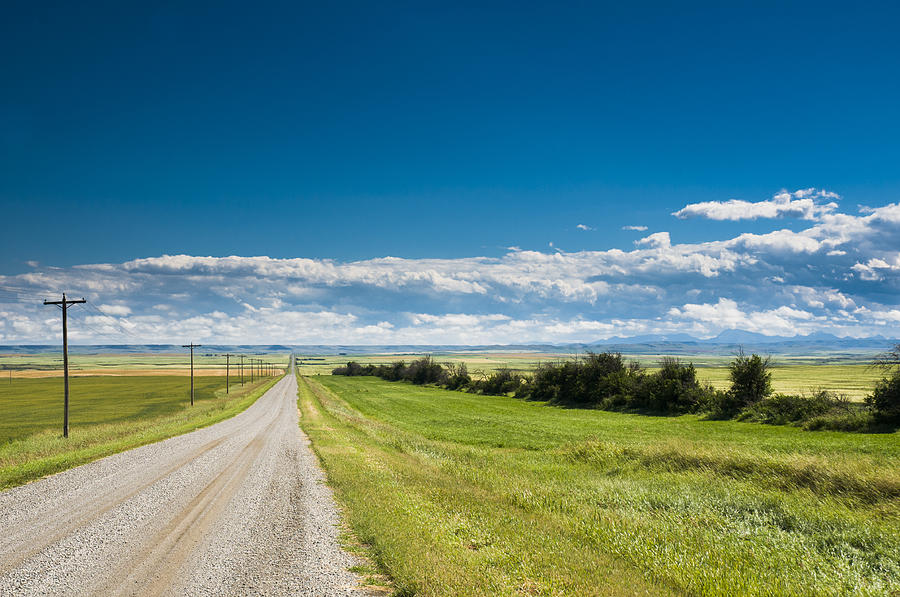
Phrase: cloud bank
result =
(837, 272)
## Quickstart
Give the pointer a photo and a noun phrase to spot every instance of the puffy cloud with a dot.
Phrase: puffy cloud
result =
(635, 228)
(726, 314)
(781, 241)
(875, 268)
(805, 204)
(657, 240)
(584, 227)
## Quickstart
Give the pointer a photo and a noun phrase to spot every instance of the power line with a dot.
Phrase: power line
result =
(113, 322)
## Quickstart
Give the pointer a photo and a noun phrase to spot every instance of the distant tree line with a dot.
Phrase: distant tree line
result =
(606, 381)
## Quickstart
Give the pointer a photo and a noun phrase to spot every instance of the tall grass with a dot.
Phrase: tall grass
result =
(458, 494)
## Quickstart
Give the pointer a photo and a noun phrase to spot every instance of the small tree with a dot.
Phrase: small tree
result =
(751, 380)
(885, 399)
(457, 376)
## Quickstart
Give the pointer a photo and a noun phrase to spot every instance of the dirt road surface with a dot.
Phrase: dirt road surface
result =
(238, 508)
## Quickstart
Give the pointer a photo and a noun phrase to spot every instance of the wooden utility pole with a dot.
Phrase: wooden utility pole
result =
(242, 370)
(227, 359)
(64, 305)
(192, 346)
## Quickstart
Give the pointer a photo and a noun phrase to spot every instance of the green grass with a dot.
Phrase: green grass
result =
(106, 415)
(459, 494)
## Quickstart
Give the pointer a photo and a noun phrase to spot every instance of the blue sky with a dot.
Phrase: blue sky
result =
(463, 139)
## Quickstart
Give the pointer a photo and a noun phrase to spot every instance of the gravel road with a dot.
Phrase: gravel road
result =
(238, 508)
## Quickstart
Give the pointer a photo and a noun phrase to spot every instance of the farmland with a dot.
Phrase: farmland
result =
(108, 414)
(14, 366)
(790, 375)
(523, 498)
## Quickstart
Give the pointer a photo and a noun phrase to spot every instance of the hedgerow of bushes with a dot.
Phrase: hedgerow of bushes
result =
(606, 381)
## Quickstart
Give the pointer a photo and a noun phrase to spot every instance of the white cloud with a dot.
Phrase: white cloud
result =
(635, 228)
(726, 314)
(876, 269)
(585, 227)
(657, 240)
(119, 310)
(805, 204)
(781, 241)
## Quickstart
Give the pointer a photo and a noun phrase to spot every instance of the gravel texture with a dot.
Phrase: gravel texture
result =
(238, 508)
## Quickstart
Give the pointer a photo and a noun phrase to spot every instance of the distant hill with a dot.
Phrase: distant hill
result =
(725, 343)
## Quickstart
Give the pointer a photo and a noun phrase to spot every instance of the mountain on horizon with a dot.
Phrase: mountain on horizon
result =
(736, 336)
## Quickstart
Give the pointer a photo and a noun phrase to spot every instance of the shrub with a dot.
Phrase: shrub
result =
(554, 383)
(457, 376)
(672, 389)
(500, 382)
(596, 376)
(393, 372)
(782, 409)
(885, 398)
(849, 420)
(352, 368)
(424, 370)
(751, 382)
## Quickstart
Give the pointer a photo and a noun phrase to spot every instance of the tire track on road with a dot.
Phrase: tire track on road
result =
(17, 547)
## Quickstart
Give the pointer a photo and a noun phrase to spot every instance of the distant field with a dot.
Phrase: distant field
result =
(28, 406)
(790, 375)
(854, 380)
(461, 494)
(107, 415)
(50, 364)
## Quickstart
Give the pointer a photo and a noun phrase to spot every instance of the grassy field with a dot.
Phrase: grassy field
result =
(790, 375)
(854, 380)
(460, 494)
(120, 364)
(107, 415)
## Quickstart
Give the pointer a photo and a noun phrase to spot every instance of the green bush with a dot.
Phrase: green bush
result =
(500, 382)
(783, 409)
(751, 380)
(849, 420)
(885, 399)
(672, 389)
(457, 376)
